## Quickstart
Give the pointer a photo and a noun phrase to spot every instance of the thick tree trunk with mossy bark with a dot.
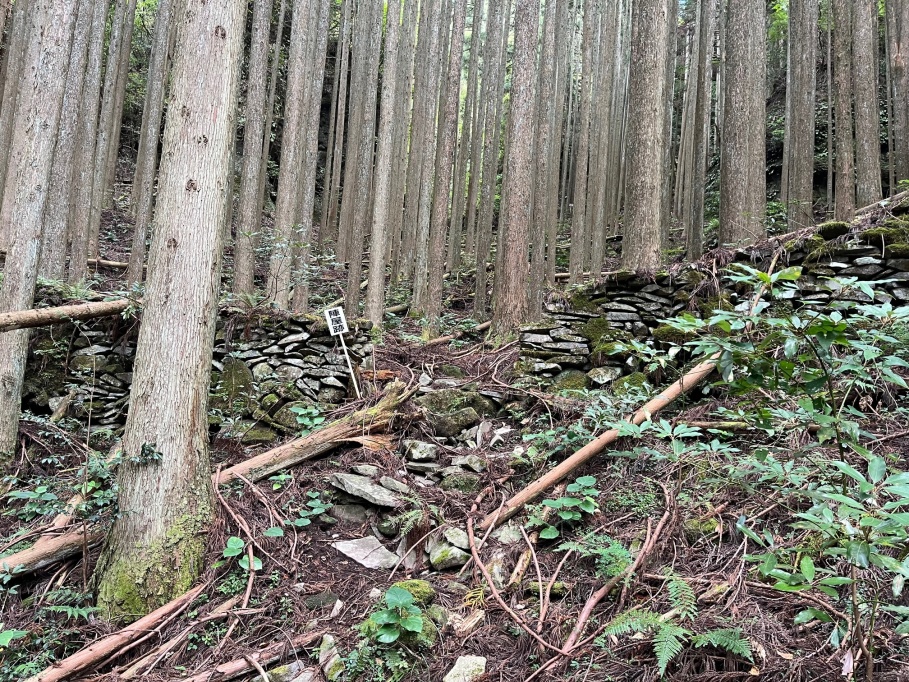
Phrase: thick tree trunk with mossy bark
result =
(34, 137)
(156, 548)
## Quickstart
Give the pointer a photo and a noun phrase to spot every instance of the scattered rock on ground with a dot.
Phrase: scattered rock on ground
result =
(365, 489)
(368, 552)
(466, 669)
(329, 659)
(418, 451)
(444, 556)
(457, 537)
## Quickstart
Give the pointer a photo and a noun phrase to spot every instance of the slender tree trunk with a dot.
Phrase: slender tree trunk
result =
(249, 219)
(156, 548)
(742, 166)
(512, 305)
(476, 151)
(143, 192)
(363, 131)
(270, 107)
(492, 97)
(579, 241)
(14, 59)
(375, 291)
(898, 46)
(444, 172)
(800, 104)
(891, 155)
(109, 122)
(279, 274)
(330, 159)
(331, 222)
(83, 179)
(642, 243)
(867, 109)
(35, 125)
(701, 137)
(563, 44)
(310, 157)
(844, 208)
(830, 105)
(54, 234)
(468, 128)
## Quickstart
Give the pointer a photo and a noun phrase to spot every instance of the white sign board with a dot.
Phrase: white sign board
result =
(337, 323)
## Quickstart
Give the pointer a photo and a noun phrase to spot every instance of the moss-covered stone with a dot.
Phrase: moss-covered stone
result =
(452, 371)
(438, 615)
(708, 306)
(425, 639)
(668, 334)
(594, 329)
(695, 529)
(235, 389)
(450, 400)
(890, 232)
(422, 592)
(463, 482)
(631, 383)
(287, 418)
(581, 300)
(811, 243)
(833, 229)
(569, 380)
(897, 251)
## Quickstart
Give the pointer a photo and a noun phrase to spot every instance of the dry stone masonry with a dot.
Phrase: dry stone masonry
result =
(575, 345)
(263, 369)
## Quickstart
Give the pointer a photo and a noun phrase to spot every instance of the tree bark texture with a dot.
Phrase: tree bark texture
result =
(35, 124)
(742, 165)
(867, 110)
(156, 548)
(844, 206)
(898, 47)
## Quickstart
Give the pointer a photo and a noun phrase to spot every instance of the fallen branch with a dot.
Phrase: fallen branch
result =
(482, 327)
(889, 202)
(355, 427)
(105, 646)
(592, 449)
(42, 317)
(266, 656)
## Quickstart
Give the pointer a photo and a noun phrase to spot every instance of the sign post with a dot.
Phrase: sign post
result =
(337, 326)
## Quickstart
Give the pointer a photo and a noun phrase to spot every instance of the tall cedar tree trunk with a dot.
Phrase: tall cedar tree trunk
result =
(329, 231)
(898, 47)
(364, 132)
(155, 550)
(579, 245)
(800, 103)
(448, 141)
(115, 78)
(512, 305)
(143, 185)
(375, 291)
(701, 123)
(440, 33)
(493, 77)
(276, 62)
(844, 207)
(52, 263)
(249, 219)
(310, 156)
(867, 110)
(14, 62)
(743, 194)
(330, 160)
(642, 243)
(85, 152)
(279, 272)
(544, 189)
(35, 124)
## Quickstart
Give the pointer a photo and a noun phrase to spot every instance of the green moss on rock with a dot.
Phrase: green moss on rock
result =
(629, 384)
(668, 334)
(422, 592)
(581, 300)
(897, 251)
(833, 229)
(569, 380)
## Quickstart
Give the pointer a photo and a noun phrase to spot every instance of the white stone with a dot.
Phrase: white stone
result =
(466, 669)
(362, 487)
(368, 552)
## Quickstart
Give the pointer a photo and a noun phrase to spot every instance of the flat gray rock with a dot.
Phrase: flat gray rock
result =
(365, 489)
(466, 669)
(368, 552)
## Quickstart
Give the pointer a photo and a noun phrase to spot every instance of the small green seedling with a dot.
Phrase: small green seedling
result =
(399, 616)
(569, 508)
(315, 507)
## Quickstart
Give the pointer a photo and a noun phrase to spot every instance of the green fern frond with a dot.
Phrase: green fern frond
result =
(632, 621)
(682, 596)
(727, 639)
(668, 643)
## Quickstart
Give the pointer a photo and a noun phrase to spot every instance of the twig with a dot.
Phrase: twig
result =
(255, 664)
(498, 597)
(536, 564)
(547, 595)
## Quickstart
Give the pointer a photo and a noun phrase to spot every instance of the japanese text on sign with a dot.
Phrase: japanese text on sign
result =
(337, 323)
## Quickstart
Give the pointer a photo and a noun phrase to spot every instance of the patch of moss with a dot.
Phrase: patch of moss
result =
(714, 303)
(424, 639)
(811, 243)
(668, 334)
(892, 231)
(634, 382)
(833, 229)
(421, 591)
(897, 251)
(569, 380)
(580, 300)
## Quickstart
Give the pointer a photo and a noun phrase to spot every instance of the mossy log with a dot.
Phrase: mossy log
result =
(354, 427)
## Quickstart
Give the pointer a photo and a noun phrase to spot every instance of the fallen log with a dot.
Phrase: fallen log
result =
(106, 646)
(42, 317)
(694, 377)
(482, 327)
(354, 427)
(888, 202)
(267, 656)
